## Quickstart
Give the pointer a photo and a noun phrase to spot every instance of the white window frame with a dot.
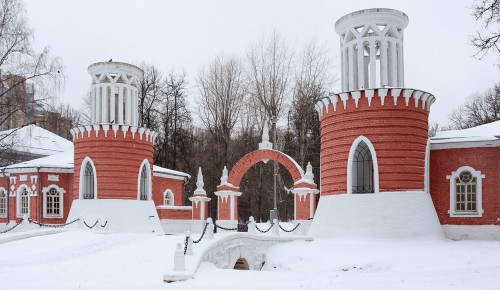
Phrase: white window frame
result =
(149, 182)
(82, 176)
(61, 192)
(18, 201)
(3, 215)
(350, 160)
(479, 193)
(171, 199)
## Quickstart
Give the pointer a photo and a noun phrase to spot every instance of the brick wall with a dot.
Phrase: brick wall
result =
(444, 161)
(161, 184)
(398, 133)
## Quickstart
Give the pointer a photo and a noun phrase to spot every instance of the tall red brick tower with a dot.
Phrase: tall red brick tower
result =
(113, 156)
(373, 133)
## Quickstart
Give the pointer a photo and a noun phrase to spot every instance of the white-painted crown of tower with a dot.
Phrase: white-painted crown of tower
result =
(114, 93)
(371, 43)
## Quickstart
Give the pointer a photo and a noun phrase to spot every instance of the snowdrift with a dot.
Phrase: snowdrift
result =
(380, 215)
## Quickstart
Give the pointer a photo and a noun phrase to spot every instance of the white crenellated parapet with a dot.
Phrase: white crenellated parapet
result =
(113, 131)
(114, 93)
(388, 96)
(371, 43)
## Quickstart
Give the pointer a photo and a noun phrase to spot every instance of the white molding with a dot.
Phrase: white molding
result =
(479, 192)
(145, 162)
(23, 177)
(456, 144)
(53, 177)
(350, 160)
(166, 175)
(82, 176)
(6, 193)
(427, 166)
(171, 199)
(61, 192)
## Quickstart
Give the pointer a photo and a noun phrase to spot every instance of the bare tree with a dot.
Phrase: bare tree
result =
(270, 75)
(487, 13)
(478, 110)
(151, 91)
(222, 94)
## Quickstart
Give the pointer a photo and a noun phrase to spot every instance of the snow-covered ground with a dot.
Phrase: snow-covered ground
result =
(87, 260)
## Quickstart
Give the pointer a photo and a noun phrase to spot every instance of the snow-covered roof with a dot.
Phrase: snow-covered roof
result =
(161, 170)
(63, 160)
(487, 132)
(35, 140)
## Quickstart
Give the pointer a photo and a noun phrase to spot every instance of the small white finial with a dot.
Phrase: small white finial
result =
(199, 184)
(309, 172)
(224, 176)
(265, 144)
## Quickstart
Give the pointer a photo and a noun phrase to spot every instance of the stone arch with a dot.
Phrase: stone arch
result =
(254, 157)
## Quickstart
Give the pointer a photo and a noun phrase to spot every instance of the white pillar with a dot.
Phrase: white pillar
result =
(394, 64)
(98, 104)
(351, 67)
(92, 104)
(383, 63)
(112, 113)
(135, 107)
(104, 114)
(401, 79)
(373, 64)
(120, 104)
(361, 65)
(128, 110)
(345, 70)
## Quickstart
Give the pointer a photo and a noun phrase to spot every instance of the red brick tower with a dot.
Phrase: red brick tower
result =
(113, 156)
(374, 133)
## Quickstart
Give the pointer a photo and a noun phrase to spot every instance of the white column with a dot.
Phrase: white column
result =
(401, 80)
(128, 96)
(112, 113)
(104, 101)
(351, 67)
(345, 70)
(92, 104)
(135, 107)
(98, 104)
(383, 63)
(373, 64)
(394, 64)
(120, 104)
(361, 65)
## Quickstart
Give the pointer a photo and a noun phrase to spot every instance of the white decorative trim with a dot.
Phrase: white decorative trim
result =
(344, 97)
(369, 95)
(479, 192)
(334, 99)
(456, 144)
(350, 161)
(82, 176)
(53, 177)
(395, 94)
(427, 166)
(61, 192)
(168, 191)
(356, 95)
(13, 179)
(34, 179)
(382, 93)
(23, 177)
(145, 162)
(166, 175)
(6, 193)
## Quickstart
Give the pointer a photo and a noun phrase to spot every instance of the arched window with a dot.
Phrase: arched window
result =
(53, 201)
(3, 203)
(465, 192)
(144, 182)
(168, 197)
(23, 201)
(88, 180)
(362, 170)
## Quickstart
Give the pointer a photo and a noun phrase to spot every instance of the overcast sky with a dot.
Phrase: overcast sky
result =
(188, 34)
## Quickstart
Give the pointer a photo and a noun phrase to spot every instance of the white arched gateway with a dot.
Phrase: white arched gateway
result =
(362, 167)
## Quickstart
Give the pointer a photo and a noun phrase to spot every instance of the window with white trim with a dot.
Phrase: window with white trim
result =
(3, 203)
(362, 170)
(143, 191)
(53, 201)
(466, 192)
(168, 197)
(23, 202)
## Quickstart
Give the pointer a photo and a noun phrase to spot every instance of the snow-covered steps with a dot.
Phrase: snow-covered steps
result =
(226, 250)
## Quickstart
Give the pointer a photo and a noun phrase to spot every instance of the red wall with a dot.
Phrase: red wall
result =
(117, 162)
(160, 184)
(398, 134)
(175, 214)
(444, 161)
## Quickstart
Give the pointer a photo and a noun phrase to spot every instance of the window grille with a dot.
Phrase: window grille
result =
(465, 193)
(88, 182)
(362, 170)
(143, 187)
(24, 203)
(53, 202)
(3, 203)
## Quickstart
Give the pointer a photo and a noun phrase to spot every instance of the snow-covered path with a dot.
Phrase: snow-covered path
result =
(85, 260)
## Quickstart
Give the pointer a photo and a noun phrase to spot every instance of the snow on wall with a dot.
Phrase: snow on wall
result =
(381, 215)
(122, 215)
